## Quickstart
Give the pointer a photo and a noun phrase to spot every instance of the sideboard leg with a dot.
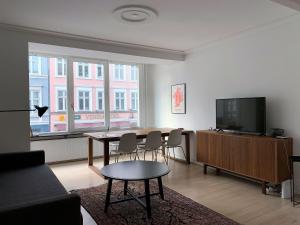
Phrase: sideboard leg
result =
(264, 186)
(218, 171)
(205, 169)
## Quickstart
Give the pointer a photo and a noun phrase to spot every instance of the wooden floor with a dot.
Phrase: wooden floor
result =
(233, 197)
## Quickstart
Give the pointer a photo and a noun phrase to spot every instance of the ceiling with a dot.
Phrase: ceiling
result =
(181, 25)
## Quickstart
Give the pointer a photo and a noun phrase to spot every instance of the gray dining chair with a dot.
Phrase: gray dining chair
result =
(153, 144)
(127, 146)
(174, 141)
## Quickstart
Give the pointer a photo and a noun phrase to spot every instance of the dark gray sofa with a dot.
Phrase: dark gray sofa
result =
(30, 193)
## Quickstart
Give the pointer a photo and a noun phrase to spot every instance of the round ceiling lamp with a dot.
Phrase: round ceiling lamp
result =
(134, 14)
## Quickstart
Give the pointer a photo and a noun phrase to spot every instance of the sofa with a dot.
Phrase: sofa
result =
(30, 193)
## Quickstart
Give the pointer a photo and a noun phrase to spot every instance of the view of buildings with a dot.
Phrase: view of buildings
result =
(49, 87)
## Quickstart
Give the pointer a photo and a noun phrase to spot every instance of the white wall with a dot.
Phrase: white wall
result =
(264, 62)
(66, 149)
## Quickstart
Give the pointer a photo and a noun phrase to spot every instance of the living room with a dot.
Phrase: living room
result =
(218, 50)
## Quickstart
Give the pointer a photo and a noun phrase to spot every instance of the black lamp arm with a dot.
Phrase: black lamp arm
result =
(17, 110)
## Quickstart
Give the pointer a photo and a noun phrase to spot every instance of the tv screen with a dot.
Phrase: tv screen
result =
(246, 115)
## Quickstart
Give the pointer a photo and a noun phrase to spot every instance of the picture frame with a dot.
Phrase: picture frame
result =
(178, 98)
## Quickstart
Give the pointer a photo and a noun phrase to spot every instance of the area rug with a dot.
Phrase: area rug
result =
(174, 210)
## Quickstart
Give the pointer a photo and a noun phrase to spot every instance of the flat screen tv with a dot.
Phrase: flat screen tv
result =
(243, 115)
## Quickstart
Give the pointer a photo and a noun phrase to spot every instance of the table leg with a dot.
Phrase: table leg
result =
(147, 193)
(160, 186)
(91, 154)
(125, 187)
(106, 152)
(108, 192)
(187, 148)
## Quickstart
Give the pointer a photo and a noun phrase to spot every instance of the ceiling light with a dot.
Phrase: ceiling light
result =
(134, 14)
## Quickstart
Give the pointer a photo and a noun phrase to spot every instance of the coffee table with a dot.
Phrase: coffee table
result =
(135, 171)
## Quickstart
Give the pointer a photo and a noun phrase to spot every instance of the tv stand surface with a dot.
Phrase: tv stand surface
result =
(261, 158)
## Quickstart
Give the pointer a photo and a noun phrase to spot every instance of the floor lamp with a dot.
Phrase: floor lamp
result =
(41, 111)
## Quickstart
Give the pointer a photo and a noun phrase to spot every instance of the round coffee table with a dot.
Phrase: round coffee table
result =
(135, 171)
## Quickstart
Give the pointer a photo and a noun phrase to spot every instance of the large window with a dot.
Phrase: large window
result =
(78, 99)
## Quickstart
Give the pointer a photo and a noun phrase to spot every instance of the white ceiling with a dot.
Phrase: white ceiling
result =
(181, 25)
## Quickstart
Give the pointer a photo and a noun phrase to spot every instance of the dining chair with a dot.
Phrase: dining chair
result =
(127, 146)
(174, 141)
(153, 144)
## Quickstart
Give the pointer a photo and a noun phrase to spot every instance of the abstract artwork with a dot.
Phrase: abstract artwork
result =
(178, 98)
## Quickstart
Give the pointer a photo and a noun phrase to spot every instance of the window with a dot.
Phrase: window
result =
(38, 65)
(35, 98)
(61, 99)
(61, 67)
(120, 100)
(78, 94)
(100, 100)
(119, 72)
(83, 70)
(100, 72)
(84, 99)
(88, 111)
(52, 92)
(134, 72)
(134, 100)
(35, 65)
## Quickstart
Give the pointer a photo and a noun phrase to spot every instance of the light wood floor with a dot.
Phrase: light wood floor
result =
(233, 197)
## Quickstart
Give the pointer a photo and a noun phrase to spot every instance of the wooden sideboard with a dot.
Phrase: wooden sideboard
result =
(262, 158)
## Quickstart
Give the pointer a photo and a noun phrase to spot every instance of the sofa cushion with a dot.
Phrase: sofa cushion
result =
(28, 185)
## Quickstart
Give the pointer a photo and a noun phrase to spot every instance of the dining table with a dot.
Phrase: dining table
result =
(105, 137)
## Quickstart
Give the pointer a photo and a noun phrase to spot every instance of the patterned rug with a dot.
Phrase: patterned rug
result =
(175, 209)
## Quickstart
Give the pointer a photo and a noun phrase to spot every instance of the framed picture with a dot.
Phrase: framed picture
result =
(178, 98)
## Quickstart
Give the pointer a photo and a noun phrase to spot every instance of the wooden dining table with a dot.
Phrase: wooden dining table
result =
(110, 136)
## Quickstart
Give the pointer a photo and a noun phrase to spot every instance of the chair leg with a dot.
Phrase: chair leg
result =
(168, 155)
(174, 152)
(182, 151)
(144, 155)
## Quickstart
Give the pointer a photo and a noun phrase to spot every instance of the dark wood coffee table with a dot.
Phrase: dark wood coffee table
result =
(135, 171)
